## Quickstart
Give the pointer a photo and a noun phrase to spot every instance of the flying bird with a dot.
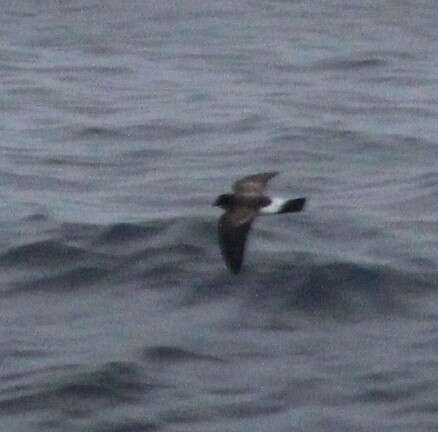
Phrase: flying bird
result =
(241, 208)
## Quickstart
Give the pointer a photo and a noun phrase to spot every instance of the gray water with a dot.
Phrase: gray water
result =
(120, 124)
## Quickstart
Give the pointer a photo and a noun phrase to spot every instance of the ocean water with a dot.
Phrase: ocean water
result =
(120, 124)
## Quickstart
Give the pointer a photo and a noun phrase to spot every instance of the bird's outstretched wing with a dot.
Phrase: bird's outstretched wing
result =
(253, 184)
(233, 231)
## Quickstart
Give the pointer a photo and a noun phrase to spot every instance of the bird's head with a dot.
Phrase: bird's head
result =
(224, 201)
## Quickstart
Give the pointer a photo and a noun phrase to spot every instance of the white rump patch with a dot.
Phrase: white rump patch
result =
(275, 206)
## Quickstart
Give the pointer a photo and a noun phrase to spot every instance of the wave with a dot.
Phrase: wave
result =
(169, 354)
(77, 391)
(41, 253)
(183, 253)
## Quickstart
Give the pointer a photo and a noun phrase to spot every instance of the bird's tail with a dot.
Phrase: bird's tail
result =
(293, 205)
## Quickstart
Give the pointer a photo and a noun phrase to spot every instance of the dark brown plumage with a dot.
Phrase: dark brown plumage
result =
(241, 208)
(232, 240)
(253, 184)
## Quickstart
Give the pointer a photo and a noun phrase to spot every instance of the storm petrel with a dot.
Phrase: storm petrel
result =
(241, 208)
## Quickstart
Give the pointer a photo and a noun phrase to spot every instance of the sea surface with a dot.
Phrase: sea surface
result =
(120, 124)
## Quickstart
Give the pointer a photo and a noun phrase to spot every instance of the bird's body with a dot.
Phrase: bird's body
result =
(241, 208)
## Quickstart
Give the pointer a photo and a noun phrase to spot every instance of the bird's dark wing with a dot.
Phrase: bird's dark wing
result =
(233, 230)
(253, 184)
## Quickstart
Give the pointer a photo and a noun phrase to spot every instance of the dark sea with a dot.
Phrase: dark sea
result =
(120, 124)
